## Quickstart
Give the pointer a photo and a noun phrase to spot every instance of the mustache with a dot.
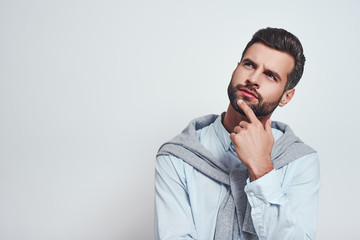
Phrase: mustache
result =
(248, 86)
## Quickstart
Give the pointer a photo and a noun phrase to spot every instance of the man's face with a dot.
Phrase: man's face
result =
(260, 79)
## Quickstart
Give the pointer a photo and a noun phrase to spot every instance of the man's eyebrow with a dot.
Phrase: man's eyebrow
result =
(248, 60)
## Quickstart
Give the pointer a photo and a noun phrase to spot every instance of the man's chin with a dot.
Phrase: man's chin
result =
(237, 108)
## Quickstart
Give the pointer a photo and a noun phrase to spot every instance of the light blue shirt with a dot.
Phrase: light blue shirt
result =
(284, 202)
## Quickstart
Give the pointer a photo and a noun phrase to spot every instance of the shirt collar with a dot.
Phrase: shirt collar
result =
(221, 132)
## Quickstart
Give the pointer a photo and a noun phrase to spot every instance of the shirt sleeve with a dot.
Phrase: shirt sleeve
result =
(173, 216)
(284, 202)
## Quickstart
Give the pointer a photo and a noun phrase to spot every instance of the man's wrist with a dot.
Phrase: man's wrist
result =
(257, 171)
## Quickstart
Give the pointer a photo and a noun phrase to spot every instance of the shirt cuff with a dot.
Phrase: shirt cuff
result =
(267, 189)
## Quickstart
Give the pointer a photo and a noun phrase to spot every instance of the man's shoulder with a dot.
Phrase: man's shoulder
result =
(287, 147)
(191, 131)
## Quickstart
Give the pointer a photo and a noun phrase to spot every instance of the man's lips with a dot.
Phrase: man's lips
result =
(248, 93)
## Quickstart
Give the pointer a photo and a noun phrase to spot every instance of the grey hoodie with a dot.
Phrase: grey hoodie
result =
(234, 216)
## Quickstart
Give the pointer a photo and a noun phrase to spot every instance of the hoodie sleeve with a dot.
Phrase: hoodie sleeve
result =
(285, 201)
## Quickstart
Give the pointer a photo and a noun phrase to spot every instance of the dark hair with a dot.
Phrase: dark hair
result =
(283, 41)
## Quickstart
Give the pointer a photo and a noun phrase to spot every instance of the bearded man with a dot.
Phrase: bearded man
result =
(240, 175)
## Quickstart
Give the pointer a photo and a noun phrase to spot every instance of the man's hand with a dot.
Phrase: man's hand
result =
(253, 143)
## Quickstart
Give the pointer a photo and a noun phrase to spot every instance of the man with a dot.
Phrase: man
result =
(239, 175)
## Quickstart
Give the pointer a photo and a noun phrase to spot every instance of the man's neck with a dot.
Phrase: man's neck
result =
(232, 118)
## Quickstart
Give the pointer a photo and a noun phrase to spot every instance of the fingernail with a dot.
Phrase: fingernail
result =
(239, 101)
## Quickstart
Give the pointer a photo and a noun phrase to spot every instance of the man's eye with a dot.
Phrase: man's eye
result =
(271, 76)
(249, 65)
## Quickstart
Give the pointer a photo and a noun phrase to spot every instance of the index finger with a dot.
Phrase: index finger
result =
(247, 110)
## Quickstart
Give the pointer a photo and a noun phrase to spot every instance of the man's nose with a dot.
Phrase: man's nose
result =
(254, 78)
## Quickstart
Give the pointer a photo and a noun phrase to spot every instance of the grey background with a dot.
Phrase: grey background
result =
(90, 89)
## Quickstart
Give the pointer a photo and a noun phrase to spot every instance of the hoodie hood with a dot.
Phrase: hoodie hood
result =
(285, 149)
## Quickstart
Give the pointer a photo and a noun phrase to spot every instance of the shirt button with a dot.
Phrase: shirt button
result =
(251, 194)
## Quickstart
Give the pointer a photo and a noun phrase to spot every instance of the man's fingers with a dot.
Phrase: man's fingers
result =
(247, 110)
(244, 124)
(232, 136)
(237, 129)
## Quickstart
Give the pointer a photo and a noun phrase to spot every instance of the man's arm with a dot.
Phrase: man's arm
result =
(173, 216)
(278, 212)
(284, 202)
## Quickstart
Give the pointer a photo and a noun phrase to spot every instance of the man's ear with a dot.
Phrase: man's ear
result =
(286, 97)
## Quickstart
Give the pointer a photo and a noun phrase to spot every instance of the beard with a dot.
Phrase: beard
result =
(261, 108)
